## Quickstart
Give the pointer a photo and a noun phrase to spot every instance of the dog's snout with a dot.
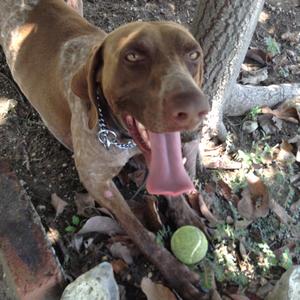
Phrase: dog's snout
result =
(187, 109)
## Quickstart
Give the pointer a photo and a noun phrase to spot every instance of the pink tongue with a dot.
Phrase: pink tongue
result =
(167, 175)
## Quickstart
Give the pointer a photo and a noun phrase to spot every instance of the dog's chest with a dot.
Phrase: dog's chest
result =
(94, 162)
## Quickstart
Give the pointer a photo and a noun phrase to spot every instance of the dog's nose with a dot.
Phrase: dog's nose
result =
(188, 108)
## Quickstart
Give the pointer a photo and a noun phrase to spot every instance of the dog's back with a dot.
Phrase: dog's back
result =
(38, 38)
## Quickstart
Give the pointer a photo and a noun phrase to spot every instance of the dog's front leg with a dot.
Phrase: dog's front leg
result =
(96, 167)
(180, 277)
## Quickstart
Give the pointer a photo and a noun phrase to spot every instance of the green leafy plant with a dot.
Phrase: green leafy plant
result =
(226, 266)
(258, 155)
(238, 183)
(162, 235)
(283, 72)
(272, 46)
(266, 257)
(254, 112)
(285, 260)
(74, 224)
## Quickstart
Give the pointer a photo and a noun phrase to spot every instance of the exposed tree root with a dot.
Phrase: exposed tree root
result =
(245, 97)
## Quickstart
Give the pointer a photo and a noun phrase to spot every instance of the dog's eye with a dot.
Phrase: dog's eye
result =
(194, 55)
(134, 57)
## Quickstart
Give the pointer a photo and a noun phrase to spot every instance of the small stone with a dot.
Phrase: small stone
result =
(288, 287)
(41, 208)
(128, 277)
(96, 284)
(250, 126)
(229, 220)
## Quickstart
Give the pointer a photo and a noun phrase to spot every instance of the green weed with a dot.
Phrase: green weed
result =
(74, 224)
(163, 235)
(272, 46)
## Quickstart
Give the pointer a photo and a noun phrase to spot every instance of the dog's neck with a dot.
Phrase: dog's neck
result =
(111, 132)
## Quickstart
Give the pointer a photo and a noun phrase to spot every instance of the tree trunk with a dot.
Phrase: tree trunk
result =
(224, 30)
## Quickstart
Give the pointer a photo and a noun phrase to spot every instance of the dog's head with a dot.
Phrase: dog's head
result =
(150, 74)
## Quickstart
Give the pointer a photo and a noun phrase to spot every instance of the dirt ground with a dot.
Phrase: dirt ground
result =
(253, 250)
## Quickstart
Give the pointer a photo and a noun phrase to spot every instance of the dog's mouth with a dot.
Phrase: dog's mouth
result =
(162, 151)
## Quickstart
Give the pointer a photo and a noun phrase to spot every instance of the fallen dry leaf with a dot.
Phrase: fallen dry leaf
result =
(280, 212)
(280, 60)
(220, 163)
(296, 140)
(193, 201)
(277, 122)
(6, 105)
(242, 248)
(258, 55)
(77, 242)
(82, 202)
(250, 126)
(288, 110)
(206, 212)
(156, 291)
(291, 37)
(58, 204)
(242, 224)
(285, 155)
(104, 225)
(214, 150)
(246, 206)
(210, 187)
(254, 77)
(119, 250)
(225, 190)
(119, 265)
(153, 217)
(106, 212)
(267, 124)
(255, 199)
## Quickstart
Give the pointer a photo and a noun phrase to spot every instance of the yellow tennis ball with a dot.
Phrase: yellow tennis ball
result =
(189, 244)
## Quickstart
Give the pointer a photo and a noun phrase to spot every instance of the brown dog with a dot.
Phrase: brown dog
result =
(97, 92)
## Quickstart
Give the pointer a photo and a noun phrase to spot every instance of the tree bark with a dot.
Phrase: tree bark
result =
(224, 30)
(244, 97)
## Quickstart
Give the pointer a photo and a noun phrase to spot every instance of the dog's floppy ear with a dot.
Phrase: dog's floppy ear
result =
(85, 83)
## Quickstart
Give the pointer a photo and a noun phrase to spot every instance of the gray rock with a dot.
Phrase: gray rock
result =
(96, 284)
(288, 287)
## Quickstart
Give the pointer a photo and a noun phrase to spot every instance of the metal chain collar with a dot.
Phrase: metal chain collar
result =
(108, 137)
